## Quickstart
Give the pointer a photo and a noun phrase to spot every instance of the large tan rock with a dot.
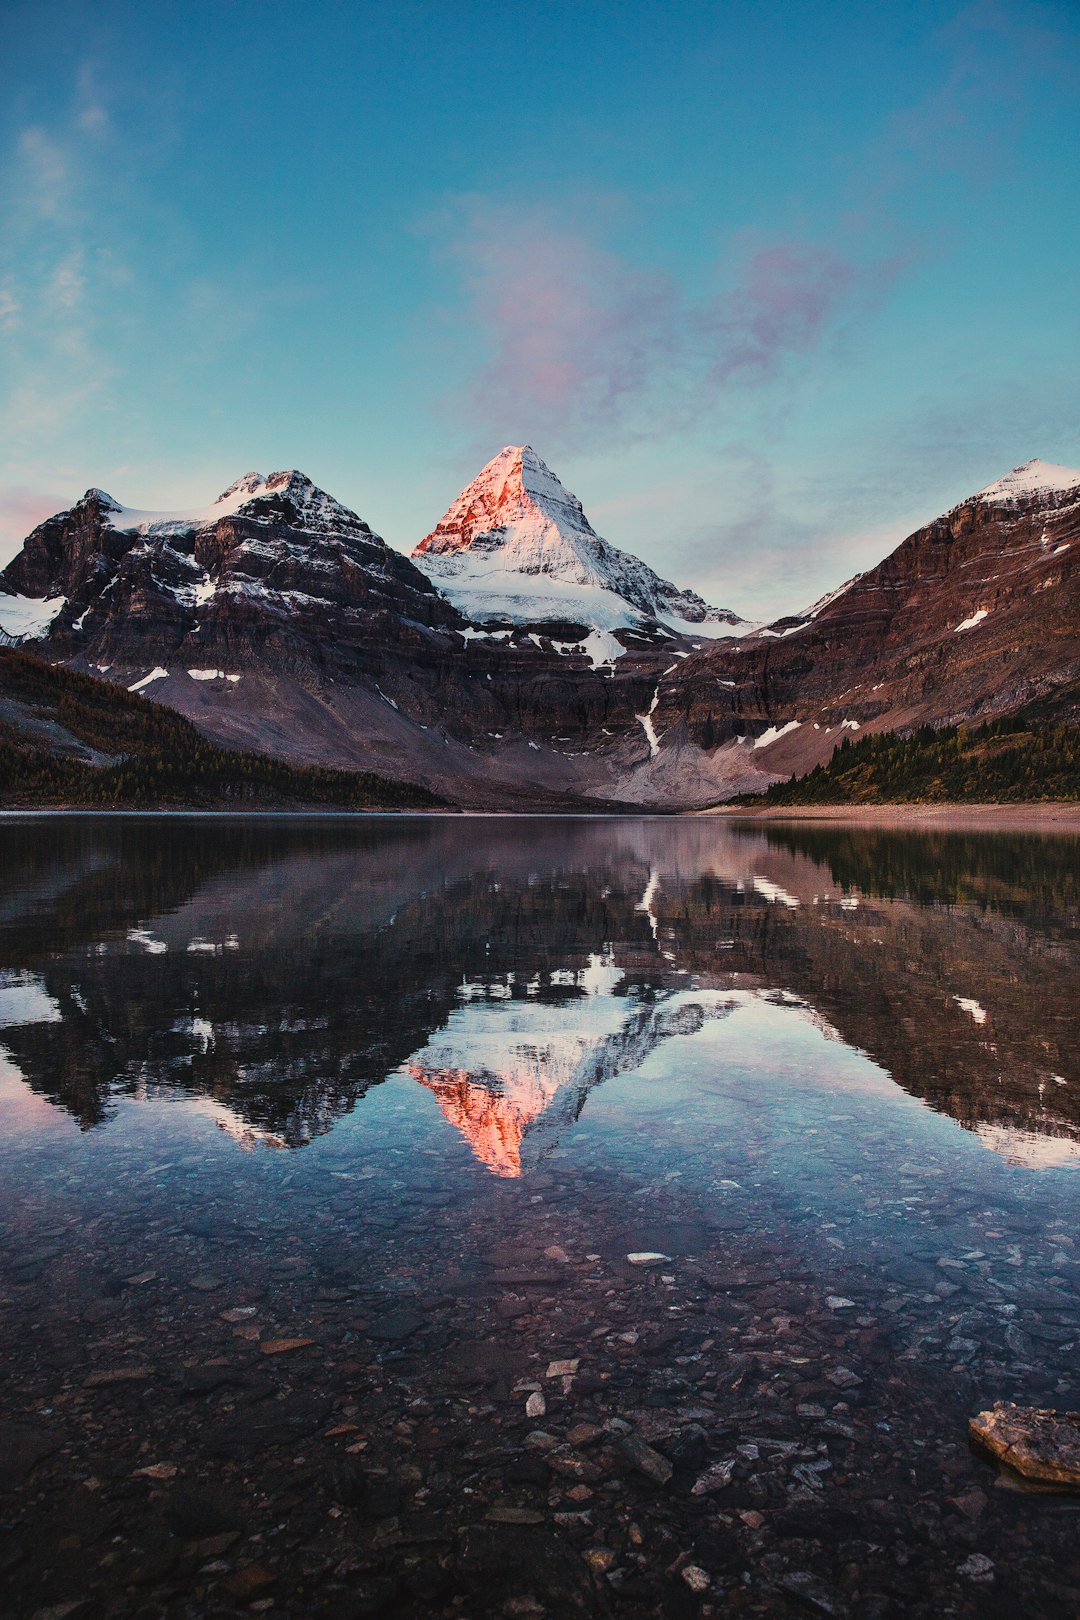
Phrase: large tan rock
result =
(1040, 1444)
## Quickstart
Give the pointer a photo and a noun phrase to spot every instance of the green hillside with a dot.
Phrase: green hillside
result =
(1008, 761)
(69, 740)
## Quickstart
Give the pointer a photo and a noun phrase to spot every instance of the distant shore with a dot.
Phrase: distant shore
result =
(1062, 816)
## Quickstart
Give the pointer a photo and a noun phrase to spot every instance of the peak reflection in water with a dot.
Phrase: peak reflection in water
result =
(271, 973)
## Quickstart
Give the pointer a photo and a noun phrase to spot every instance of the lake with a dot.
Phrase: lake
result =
(466, 1216)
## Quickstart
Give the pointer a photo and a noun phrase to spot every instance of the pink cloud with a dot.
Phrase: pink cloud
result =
(581, 341)
(785, 298)
(573, 333)
(21, 510)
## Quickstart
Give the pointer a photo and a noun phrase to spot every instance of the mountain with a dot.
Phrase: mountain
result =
(973, 617)
(517, 548)
(277, 620)
(521, 662)
(276, 546)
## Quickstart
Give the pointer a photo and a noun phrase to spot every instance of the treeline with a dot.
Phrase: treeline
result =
(1001, 762)
(155, 758)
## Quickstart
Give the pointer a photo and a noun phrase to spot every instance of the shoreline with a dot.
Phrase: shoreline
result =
(1055, 816)
(1060, 816)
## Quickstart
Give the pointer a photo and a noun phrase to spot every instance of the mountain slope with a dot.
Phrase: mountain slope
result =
(68, 739)
(972, 617)
(516, 547)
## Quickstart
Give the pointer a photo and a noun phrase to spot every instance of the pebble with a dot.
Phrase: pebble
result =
(976, 1568)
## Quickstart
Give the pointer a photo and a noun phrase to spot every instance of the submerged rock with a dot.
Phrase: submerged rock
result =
(1040, 1444)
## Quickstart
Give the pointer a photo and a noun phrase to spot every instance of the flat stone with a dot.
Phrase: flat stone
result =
(247, 1583)
(205, 1284)
(642, 1457)
(1039, 1443)
(116, 1375)
(281, 1347)
(813, 1592)
(565, 1461)
(562, 1369)
(397, 1325)
(843, 1378)
(716, 1478)
(648, 1257)
(971, 1503)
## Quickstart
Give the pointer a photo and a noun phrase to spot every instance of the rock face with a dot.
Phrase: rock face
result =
(1042, 1445)
(520, 661)
(969, 618)
(516, 547)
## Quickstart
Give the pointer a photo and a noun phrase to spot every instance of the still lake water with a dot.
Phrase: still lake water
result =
(411, 1090)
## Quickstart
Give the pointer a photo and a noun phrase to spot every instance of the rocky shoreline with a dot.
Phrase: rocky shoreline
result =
(237, 1417)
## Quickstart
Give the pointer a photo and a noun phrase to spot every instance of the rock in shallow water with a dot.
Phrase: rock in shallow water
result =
(1039, 1443)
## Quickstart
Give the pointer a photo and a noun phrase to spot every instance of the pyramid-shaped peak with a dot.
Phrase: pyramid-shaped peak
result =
(517, 545)
(514, 499)
(1034, 477)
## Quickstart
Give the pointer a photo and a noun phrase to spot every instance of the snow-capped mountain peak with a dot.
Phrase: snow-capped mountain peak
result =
(516, 546)
(517, 506)
(1032, 478)
(288, 495)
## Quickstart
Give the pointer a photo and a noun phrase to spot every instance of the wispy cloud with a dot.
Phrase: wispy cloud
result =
(785, 299)
(573, 333)
(582, 343)
(994, 55)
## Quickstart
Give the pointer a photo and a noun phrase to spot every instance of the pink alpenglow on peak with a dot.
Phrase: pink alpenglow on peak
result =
(516, 546)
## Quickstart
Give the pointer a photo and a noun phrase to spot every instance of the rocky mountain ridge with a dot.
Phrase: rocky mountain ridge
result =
(571, 674)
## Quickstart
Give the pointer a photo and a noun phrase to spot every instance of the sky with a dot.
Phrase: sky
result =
(767, 285)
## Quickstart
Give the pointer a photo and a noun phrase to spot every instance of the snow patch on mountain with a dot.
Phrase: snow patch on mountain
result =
(774, 733)
(1033, 478)
(26, 618)
(516, 545)
(257, 498)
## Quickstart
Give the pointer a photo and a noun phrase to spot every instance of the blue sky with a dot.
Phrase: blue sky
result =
(766, 284)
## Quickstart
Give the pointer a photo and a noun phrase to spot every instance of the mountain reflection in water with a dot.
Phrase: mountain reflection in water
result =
(271, 973)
